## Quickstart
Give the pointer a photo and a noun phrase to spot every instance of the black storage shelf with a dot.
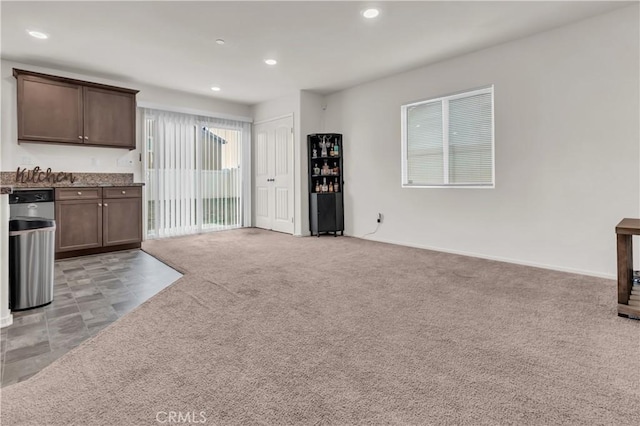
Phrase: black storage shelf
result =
(326, 203)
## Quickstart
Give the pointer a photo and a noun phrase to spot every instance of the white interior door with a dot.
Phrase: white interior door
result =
(282, 180)
(274, 185)
(262, 188)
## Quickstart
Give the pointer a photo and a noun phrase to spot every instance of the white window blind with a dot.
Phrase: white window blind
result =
(193, 173)
(449, 141)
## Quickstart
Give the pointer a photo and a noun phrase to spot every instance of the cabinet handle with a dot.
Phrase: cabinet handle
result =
(106, 205)
(79, 193)
(99, 204)
(86, 137)
(79, 137)
(124, 192)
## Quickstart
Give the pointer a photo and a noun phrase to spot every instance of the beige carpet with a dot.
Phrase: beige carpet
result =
(271, 329)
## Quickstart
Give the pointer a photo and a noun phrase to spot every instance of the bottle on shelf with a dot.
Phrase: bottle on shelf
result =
(330, 186)
(330, 149)
(336, 186)
(323, 147)
(317, 186)
(336, 169)
(314, 152)
(325, 187)
(325, 168)
(316, 169)
(336, 150)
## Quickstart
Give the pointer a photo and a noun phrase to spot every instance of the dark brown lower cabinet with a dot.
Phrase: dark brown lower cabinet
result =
(122, 221)
(96, 220)
(78, 224)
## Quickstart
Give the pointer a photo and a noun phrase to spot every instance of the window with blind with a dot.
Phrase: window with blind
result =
(449, 141)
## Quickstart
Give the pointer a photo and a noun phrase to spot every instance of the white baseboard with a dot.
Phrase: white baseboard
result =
(499, 259)
(6, 321)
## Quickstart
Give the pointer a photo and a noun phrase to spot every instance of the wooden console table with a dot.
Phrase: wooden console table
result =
(624, 231)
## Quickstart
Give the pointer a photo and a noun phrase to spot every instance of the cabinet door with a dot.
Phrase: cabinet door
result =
(109, 118)
(78, 224)
(327, 213)
(122, 221)
(49, 110)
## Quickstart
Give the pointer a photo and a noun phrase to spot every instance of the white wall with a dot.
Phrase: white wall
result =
(284, 105)
(90, 159)
(567, 150)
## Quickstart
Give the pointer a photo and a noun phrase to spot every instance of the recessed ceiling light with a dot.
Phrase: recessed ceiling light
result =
(270, 61)
(38, 34)
(215, 88)
(220, 41)
(371, 13)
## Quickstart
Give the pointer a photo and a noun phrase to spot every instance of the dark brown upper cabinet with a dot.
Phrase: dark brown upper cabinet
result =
(55, 109)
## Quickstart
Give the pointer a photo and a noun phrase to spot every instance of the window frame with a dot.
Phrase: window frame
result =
(445, 139)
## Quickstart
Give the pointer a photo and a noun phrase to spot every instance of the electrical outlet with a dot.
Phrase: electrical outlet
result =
(380, 217)
(124, 162)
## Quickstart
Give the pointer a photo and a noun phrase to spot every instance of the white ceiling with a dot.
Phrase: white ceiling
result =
(321, 46)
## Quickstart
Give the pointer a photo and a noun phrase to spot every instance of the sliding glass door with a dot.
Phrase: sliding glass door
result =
(220, 178)
(193, 179)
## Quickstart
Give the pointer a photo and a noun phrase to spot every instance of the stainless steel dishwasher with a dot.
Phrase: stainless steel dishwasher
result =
(31, 248)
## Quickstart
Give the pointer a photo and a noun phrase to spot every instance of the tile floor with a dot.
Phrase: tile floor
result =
(90, 293)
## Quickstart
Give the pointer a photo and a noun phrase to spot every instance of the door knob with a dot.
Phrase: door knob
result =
(106, 205)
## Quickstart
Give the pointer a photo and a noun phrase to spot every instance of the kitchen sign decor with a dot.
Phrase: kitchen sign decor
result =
(37, 175)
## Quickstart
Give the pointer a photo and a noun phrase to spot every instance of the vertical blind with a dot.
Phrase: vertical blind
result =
(449, 141)
(193, 173)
